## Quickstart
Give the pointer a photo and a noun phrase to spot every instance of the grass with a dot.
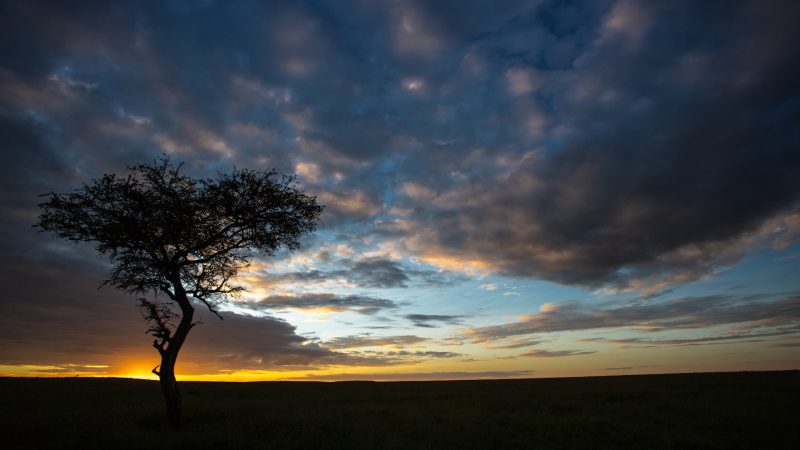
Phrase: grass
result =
(751, 410)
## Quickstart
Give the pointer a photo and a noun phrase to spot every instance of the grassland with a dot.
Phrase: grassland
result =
(755, 410)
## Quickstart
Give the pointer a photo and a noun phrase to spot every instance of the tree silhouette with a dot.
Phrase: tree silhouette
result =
(182, 237)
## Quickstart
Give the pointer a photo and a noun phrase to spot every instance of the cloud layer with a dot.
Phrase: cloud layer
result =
(587, 144)
(749, 311)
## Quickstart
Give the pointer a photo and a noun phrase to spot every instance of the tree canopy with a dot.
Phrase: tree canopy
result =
(183, 237)
(160, 226)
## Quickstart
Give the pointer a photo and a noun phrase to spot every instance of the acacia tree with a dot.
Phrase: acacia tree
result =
(181, 238)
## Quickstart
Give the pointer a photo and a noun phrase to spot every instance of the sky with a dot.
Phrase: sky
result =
(512, 189)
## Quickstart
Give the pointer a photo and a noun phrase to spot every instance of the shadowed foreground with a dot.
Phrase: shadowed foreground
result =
(728, 410)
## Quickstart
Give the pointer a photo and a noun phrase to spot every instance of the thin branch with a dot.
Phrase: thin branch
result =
(210, 308)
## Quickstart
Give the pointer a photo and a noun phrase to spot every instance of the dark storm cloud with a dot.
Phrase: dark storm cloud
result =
(582, 142)
(673, 147)
(81, 325)
(424, 320)
(649, 160)
(265, 343)
(356, 303)
(60, 318)
(652, 315)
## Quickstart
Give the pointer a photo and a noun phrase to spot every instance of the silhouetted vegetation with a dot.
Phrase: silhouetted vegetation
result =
(755, 410)
(182, 238)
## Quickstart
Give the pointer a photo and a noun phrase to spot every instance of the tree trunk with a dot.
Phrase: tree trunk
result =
(166, 374)
(172, 397)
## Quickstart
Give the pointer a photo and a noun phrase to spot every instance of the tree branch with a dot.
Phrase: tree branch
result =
(210, 308)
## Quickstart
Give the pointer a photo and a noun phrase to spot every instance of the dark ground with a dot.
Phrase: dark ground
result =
(753, 410)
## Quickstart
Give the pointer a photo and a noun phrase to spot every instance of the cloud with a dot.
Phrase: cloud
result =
(627, 20)
(370, 272)
(415, 33)
(580, 152)
(405, 356)
(354, 204)
(554, 353)
(671, 314)
(61, 318)
(374, 341)
(424, 320)
(745, 336)
(385, 350)
(65, 319)
(379, 272)
(245, 342)
(621, 191)
(324, 301)
(517, 343)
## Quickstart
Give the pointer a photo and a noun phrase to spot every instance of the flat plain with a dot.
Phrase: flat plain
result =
(743, 410)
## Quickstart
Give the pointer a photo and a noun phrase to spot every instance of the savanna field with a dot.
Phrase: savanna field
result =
(748, 410)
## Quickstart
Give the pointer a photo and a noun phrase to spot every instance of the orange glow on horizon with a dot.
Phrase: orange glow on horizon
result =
(483, 363)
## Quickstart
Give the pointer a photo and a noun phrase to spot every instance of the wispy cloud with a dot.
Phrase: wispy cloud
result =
(746, 336)
(375, 341)
(671, 314)
(516, 343)
(324, 301)
(538, 353)
(428, 320)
